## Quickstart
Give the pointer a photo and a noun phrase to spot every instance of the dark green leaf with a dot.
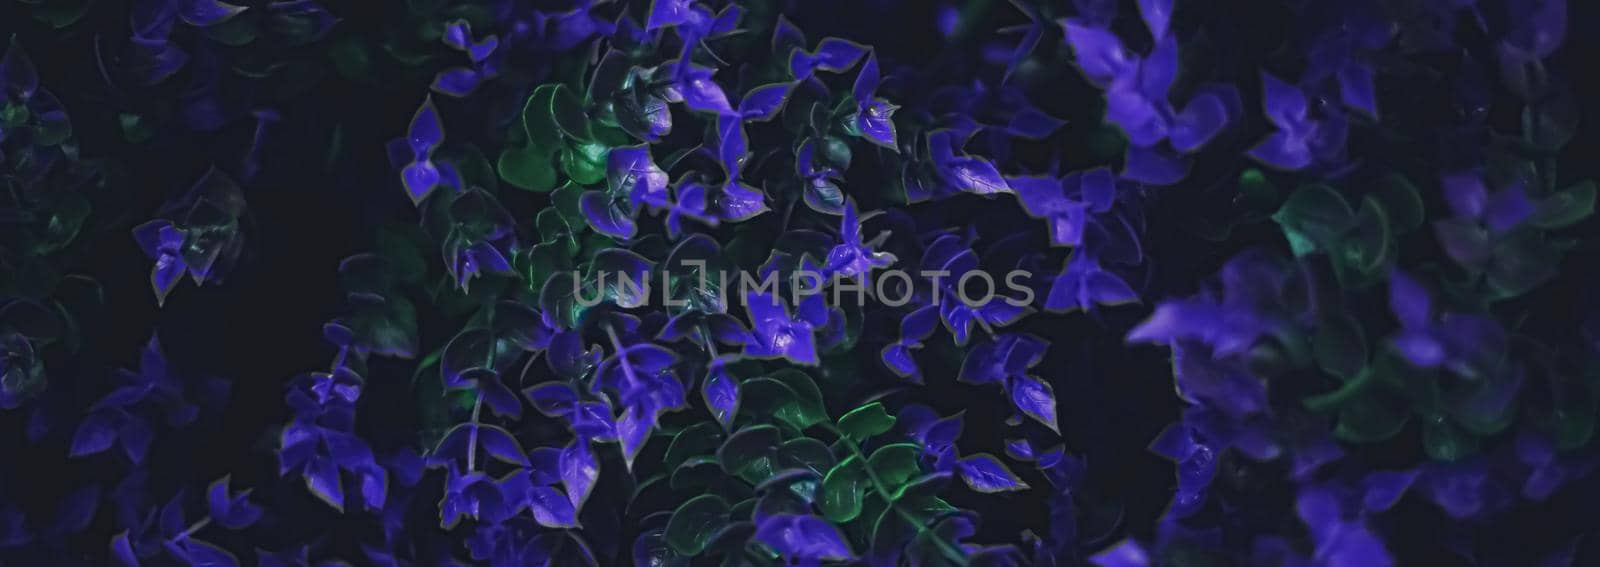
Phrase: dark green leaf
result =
(696, 473)
(843, 490)
(810, 410)
(1340, 345)
(748, 452)
(1566, 207)
(1313, 218)
(866, 421)
(699, 439)
(695, 522)
(895, 464)
(1369, 419)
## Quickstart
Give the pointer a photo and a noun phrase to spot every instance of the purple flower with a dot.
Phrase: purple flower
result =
(781, 335)
(915, 328)
(803, 538)
(22, 374)
(1464, 343)
(1084, 284)
(461, 81)
(1301, 140)
(481, 227)
(832, 54)
(1006, 361)
(1340, 539)
(852, 257)
(425, 135)
(874, 116)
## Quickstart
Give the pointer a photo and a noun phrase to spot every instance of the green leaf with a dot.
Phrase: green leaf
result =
(566, 110)
(895, 464)
(539, 127)
(1313, 218)
(1362, 255)
(585, 163)
(748, 452)
(694, 523)
(1258, 191)
(865, 421)
(809, 408)
(806, 453)
(843, 491)
(1572, 420)
(1402, 201)
(528, 168)
(1522, 262)
(699, 439)
(765, 398)
(1548, 124)
(890, 529)
(1446, 442)
(1340, 346)
(1369, 419)
(1566, 207)
(696, 473)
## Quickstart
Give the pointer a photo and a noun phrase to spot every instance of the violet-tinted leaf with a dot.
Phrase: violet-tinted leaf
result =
(1157, 14)
(579, 471)
(803, 538)
(721, 393)
(1127, 553)
(984, 473)
(1154, 166)
(1100, 53)
(203, 13)
(1035, 399)
(763, 102)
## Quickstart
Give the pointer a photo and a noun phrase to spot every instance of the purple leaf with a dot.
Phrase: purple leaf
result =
(866, 84)
(551, 508)
(1356, 88)
(579, 471)
(1156, 14)
(1283, 150)
(875, 120)
(456, 81)
(322, 479)
(1383, 489)
(605, 216)
(1033, 124)
(1507, 208)
(1286, 105)
(203, 13)
(668, 13)
(721, 392)
(702, 94)
(232, 512)
(1154, 166)
(974, 175)
(1036, 399)
(832, 54)
(764, 102)
(1100, 53)
(94, 435)
(803, 538)
(426, 131)
(984, 473)
(1201, 120)
(553, 399)
(1409, 300)
(1127, 553)
(501, 445)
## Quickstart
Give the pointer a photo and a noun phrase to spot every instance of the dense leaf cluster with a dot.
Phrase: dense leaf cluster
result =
(1343, 222)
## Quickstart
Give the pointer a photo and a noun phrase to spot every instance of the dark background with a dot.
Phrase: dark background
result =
(262, 325)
